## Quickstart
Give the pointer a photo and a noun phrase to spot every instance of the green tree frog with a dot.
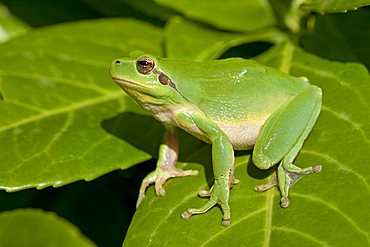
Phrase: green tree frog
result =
(233, 104)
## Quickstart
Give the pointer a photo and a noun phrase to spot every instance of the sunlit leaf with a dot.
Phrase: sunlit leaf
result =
(327, 209)
(10, 26)
(58, 101)
(231, 15)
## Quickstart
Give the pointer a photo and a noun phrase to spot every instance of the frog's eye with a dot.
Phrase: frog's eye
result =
(144, 65)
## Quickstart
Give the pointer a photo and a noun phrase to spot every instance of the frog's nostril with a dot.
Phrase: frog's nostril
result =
(118, 62)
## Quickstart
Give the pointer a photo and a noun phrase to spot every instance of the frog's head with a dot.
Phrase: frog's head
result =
(141, 78)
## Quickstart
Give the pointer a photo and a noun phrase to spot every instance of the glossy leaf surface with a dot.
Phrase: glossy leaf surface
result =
(10, 26)
(327, 209)
(231, 15)
(58, 103)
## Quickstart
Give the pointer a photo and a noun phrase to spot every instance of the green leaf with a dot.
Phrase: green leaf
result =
(233, 15)
(333, 6)
(31, 227)
(340, 37)
(10, 26)
(58, 103)
(327, 209)
(287, 14)
(209, 43)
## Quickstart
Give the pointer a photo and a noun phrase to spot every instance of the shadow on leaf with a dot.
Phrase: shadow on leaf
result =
(141, 131)
(145, 133)
(255, 172)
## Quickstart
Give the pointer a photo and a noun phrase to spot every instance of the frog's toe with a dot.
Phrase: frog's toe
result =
(159, 190)
(204, 193)
(284, 202)
(226, 222)
(186, 214)
(191, 211)
(269, 185)
(163, 175)
(159, 177)
(316, 168)
(219, 194)
(235, 181)
(184, 173)
(147, 181)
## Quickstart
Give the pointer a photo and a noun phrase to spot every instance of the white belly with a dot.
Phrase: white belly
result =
(242, 137)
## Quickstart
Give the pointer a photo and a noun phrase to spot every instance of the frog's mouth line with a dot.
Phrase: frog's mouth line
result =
(126, 82)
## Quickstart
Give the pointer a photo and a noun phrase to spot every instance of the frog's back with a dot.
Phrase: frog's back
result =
(237, 94)
(236, 89)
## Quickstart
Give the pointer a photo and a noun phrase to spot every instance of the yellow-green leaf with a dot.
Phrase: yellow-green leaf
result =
(327, 209)
(57, 100)
(10, 26)
(233, 15)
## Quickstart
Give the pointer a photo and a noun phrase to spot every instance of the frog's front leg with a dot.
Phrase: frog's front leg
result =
(166, 165)
(222, 163)
(283, 136)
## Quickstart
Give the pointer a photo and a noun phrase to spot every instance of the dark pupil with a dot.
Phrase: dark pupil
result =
(144, 63)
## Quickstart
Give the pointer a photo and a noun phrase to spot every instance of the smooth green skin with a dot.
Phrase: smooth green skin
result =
(232, 104)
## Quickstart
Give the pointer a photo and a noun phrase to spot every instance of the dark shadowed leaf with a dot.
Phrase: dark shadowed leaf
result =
(34, 228)
(341, 37)
(333, 6)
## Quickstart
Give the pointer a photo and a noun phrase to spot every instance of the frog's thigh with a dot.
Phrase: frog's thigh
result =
(287, 128)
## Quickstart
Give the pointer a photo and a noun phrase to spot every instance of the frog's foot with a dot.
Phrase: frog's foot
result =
(159, 177)
(285, 178)
(207, 193)
(269, 185)
(219, 194)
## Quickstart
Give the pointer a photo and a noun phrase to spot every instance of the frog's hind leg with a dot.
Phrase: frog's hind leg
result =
(283, 136)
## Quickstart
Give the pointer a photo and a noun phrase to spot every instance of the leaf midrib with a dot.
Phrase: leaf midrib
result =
(72, 107)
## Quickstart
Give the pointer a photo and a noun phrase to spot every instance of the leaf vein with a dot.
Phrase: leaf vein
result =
(341, 166)
(61, 110)
(170, 212)
(63, 81)
(332, 76)
(33, 108)
(300, 233)
(337, 210)
(347, 119)
(268, 218)
(254, 213)
(53, 140)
